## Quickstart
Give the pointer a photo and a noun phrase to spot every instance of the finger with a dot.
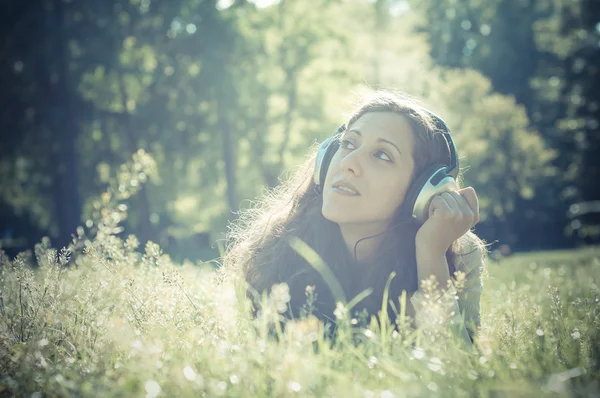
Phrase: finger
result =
(438, 204)
(471, 197)
(463, 205)
(452, 203)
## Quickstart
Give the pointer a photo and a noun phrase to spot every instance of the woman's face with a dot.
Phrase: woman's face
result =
(375, 159)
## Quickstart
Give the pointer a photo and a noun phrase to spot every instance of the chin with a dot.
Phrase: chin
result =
(326, 215)
(337, 215)
(331, 214)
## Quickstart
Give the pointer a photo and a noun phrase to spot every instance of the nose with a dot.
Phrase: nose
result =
(351, 163)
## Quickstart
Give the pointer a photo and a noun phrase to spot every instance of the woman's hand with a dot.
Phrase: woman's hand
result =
(451, 215)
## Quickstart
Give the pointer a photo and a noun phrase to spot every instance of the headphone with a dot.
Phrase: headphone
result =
(434, 180)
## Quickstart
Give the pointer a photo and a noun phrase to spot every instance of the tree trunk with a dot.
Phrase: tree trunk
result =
(225, 96)
(67, 201)
(228, 157)
(146, 230)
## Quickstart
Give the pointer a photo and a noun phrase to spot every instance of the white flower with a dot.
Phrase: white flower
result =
(576, 335)
(340, 311)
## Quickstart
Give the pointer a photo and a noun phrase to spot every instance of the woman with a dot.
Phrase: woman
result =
(354, 205)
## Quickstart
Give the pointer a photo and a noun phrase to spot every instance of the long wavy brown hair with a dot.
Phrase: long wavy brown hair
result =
(258, 242)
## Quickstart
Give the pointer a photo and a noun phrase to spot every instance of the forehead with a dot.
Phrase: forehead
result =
(389, 125)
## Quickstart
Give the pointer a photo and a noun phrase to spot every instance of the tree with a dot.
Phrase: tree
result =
(538, 52)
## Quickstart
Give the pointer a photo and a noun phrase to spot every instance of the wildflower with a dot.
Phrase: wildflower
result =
(340, 311)
(306, 330)
(418, 353)
(372, 362)
(294, 386)
(189, 373)
(222, 385)
(435, 364)
(280, 294)
(460, 278)
(152, 388)
(576, 335)
(132, 243)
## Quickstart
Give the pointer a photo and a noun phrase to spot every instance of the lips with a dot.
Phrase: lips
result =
(345, 184)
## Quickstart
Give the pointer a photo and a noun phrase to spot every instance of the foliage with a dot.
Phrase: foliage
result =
(229, 95)
(545, 55)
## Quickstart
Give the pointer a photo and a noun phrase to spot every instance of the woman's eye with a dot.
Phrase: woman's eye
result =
(344, 145)
(387, 158)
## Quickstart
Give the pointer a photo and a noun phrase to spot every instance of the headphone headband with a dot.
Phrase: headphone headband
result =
(441, 124)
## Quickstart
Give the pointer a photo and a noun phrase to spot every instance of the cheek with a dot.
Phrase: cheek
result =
(390, 196)
(332, 170)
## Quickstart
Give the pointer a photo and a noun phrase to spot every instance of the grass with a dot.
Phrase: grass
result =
(122, 322)
(111, 319)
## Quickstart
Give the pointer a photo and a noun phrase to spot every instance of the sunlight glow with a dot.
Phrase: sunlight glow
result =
(399, 8)
(191, 28)
(224, 4)
(263, 3)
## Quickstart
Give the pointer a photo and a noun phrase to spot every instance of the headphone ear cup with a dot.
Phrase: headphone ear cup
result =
(331, 150)
(326, 151)
(416, 193)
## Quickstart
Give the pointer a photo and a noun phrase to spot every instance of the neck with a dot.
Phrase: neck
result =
(353, 233)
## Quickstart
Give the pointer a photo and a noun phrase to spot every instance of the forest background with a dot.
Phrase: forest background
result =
(225, 97)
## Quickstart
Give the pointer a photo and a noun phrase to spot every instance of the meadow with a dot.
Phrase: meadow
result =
(122, 321)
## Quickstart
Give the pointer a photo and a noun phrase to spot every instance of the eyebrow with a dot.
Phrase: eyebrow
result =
(378, 140)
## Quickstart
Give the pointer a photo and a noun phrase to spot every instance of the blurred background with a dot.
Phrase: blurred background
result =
(228, 96)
